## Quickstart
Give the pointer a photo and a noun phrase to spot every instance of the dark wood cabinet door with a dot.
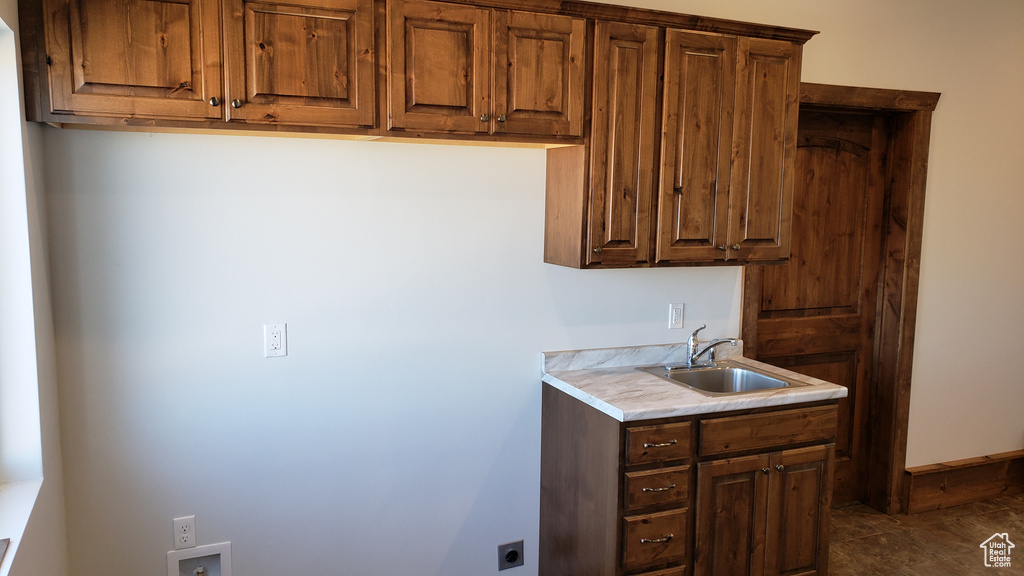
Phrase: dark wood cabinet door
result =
(309, 63)
(439, 67)
(764, 149)
(134, 58)
(538, 74)
(799, 504)
(622, 144)
(732, 500)
(697, 124)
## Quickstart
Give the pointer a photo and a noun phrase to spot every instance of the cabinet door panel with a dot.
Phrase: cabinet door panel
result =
(731, 506)
(799, 504)
(696, 146)
(764, 151)
(438, 67)
(538, 74)
(625, 80)
(310, 64)
(134, 58)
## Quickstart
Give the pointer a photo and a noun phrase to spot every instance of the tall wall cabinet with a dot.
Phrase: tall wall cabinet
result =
(727, 130)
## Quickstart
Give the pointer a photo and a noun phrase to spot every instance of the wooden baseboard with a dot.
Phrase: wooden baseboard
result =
(963, 481)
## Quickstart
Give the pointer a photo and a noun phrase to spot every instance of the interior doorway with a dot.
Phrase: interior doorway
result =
(843, 308)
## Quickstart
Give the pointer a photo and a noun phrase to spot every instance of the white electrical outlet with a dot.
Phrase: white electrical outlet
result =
(675, 316)
(184, 532)
(275, 340)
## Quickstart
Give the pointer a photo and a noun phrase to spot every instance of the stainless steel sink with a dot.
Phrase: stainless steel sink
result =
(723, 379)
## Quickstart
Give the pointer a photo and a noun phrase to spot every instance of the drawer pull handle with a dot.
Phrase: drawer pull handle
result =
(665, 489)
(660, 444)
(661, 540)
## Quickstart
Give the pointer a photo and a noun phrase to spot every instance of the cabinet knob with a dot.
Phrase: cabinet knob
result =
(597, 250)
(214, 101)
(780, 467)
(236, 103)
(677, 189)
(501, 118)
(721, 247)
(765, 470)
(735, 246)
(484, 117)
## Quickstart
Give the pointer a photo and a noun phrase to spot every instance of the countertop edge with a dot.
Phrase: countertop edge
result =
(584, 397)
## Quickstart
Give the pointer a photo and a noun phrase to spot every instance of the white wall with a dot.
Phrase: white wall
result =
(407, 411)
(401, 434)
(29, 429)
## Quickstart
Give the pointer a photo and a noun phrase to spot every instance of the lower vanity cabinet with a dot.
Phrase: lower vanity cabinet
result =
(724, 495)
(764, 514)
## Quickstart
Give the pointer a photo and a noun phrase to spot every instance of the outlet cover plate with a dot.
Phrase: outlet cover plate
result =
(675, 316)
(510, 555)
(184, 532)
(275, 339)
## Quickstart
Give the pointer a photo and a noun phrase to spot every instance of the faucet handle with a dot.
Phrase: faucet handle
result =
(693, 337)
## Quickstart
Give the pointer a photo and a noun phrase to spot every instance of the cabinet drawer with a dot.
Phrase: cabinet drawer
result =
(770, 429)
(646, 444)
(654, 538)
(656, 487)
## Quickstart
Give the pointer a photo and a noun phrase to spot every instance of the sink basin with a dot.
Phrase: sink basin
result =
(724, 379)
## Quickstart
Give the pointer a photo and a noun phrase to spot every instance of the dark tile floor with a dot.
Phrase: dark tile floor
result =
(865, 542)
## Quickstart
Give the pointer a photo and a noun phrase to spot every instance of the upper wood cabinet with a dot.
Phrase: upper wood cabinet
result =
(687, 138)
(724, 190)
(145, 58)
(309, 64)
(696, 146)
(306, 63)
(729, 148)
(764, 150)
(463, 69)
(622, 144)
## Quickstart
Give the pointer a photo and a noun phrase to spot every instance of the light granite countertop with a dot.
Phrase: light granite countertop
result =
(608, 380)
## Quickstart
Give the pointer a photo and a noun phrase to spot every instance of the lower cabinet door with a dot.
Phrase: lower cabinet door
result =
(658, 538)
(731, 508)
(799, 503)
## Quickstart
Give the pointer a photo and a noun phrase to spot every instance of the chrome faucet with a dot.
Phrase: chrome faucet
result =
(693, 345)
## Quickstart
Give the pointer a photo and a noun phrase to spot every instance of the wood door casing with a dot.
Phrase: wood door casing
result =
(622, 144)
(731, 516)
(816, 314)
(761, 193)
(439, 67)
(538, 74)
(799, 505)
(309, 64)
(697, 124)
(137, 58)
